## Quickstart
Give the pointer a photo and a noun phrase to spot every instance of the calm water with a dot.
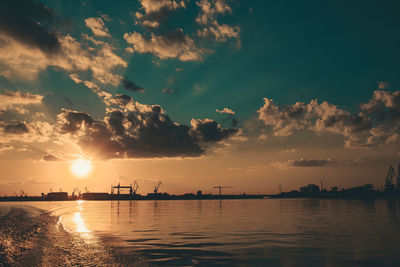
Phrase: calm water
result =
(284, 232)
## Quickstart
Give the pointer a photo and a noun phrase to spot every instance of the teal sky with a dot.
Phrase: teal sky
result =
(344, 53)
(290, 51)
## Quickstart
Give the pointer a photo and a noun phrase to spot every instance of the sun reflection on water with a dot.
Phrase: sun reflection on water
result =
(80, 224)
(79, 202)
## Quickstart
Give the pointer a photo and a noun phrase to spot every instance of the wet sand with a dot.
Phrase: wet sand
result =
(32, 237)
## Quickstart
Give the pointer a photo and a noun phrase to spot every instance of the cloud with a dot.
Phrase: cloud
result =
(226, 111)
(207, 130)
(209, 9)
(157, 12)
(303, 162)
(376, 123)
(174, 44)
(133, 130)
(383, 85)
(155, 6)
(384, 105)
(42, 133)
(29, 22)
(14, 127)
(262, 137)
(29, 44)
(151, 24)
(208, 19)
(130, 85)
(320, 118)
(221, 32)
(50, 157)
(5, 147)
(18, 100)
(97, 26)
(165, 42)
(16, 60)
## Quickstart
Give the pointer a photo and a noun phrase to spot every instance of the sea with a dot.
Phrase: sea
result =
(241, 232)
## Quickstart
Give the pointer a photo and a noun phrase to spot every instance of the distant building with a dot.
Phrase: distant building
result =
(95, 196)
(57, 196)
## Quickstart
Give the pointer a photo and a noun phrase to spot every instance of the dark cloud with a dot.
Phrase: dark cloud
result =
(14, 128)
(29, 22)
(207, 130)
(115, 120)
(73, 120)
(383, 105)
(129, 85)
(234, 122)
(303, 162)
(139, 131)
(50, 157)
(121, 100)
(354, 123)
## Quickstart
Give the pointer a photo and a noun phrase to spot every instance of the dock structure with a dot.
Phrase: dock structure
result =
(132, 188)
(57, 196)
(119, 187)
(95, 196)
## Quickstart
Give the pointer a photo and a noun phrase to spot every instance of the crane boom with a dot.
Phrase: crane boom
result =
(157, 187)
(389, 178)
(135, 187)
(220, 188)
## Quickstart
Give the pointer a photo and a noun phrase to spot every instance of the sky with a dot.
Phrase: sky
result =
(196, 94)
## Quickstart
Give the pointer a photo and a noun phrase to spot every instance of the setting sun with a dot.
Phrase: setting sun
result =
(81, 167)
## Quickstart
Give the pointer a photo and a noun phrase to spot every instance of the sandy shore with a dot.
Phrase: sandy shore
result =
(31, 237)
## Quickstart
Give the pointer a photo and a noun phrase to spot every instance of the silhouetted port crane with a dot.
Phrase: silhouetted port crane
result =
(389, 179)
(157, 187)
(119, 187)
(220, 188)
(76, 192)
(134, 187)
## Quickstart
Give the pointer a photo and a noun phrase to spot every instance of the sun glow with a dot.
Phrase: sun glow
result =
(81, 167)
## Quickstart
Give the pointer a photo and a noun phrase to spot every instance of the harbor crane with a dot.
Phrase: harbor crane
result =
(76, 192)
(119, 187)
(134, 189)
(220, 188)
(157, 187)
(389, 179)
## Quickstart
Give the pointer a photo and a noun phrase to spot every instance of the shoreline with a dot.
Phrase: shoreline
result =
(283, 195)
(131, 197)
(34, 237)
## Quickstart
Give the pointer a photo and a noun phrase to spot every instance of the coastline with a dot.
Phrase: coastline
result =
(33, 237)
(102, 196)
(283, 195)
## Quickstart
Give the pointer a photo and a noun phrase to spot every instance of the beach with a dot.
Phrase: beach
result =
(33, 237)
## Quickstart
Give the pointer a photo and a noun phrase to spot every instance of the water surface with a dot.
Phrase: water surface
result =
(257, 232)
